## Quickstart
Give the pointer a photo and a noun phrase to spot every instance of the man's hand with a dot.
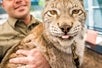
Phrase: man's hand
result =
(33, 59)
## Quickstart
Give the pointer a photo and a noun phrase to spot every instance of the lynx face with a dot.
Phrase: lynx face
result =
(64, 20)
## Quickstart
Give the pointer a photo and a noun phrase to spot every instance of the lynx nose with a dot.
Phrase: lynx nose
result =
(65, 28)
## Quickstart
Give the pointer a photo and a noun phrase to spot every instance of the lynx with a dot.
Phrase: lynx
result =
(61, 37)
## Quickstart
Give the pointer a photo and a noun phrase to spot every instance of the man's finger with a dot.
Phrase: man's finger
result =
(34, 52)
(28, 66)
(19, 60)
(23, 52)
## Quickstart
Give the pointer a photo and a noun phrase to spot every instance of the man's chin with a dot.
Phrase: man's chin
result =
(21, 16)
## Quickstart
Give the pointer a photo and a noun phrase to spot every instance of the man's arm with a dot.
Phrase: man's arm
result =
(1, 51)
(5, 46)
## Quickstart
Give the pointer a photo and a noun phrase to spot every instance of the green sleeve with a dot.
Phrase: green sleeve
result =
(6, 45)
(8, 38)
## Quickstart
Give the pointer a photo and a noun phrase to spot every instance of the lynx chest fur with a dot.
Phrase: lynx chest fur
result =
(60, 37)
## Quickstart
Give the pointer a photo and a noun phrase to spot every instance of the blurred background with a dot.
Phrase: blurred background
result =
(92, 7)
(94, 14)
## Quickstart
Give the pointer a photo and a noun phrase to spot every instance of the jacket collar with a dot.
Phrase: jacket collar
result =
(12, 21)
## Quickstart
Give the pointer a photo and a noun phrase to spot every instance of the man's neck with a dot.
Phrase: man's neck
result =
(27, 19)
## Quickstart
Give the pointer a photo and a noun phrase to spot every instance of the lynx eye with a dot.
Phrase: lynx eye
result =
(76, 11)
(52, 12)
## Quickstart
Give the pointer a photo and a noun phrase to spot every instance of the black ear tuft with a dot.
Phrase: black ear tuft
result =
(46, 0)
(81, 0)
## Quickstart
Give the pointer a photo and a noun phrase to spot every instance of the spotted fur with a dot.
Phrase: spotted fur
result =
(60, 38)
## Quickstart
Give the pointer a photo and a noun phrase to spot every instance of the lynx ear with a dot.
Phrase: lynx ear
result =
(49, 0)
(46, 0)
(82, 2)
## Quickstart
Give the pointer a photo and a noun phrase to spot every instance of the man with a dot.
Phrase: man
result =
(17, 26)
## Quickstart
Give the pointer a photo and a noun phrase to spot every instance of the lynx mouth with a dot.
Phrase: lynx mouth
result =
(66, 37)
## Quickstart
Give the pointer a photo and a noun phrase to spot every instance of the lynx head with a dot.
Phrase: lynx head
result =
(64, 19)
